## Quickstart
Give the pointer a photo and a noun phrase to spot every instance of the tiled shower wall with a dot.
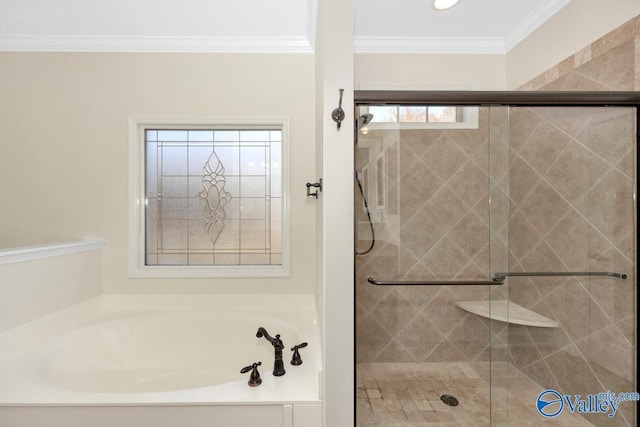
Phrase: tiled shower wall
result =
(609, 63)
(571, 187)
(427, 190)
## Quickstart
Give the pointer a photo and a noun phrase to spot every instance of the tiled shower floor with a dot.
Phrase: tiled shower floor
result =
(408, 395)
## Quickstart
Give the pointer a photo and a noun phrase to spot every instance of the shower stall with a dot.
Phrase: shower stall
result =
(495, 267)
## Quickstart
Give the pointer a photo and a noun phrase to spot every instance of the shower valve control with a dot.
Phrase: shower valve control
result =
(317, 185)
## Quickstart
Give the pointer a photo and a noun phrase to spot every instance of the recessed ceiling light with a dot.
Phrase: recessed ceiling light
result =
(444, 4)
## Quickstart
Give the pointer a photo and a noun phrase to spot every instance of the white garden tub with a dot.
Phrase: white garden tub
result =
(146, 359)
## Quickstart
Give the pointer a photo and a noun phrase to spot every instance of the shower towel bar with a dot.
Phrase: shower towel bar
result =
(498, 278)
(434, 283)
(502, 276)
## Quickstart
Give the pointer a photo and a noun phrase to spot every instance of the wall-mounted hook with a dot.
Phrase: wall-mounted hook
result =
(338, 114)
(317, 185)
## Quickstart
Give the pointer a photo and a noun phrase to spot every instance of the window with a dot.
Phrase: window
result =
(422, 117)
(210, 199)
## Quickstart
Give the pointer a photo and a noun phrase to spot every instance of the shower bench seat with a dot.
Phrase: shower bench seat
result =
(507, 311)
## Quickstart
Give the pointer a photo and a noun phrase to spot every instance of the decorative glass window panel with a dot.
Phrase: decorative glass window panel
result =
(213, 198)
(210, 199)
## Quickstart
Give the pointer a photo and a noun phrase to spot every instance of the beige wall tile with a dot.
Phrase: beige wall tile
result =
(609, 133)
(522, 347)
(522, 180)
(420, 337)
(523, 236)
(371, 337)
(471, 336)
(583, 56)
(544, 208)
(614, 69)
(445, 352)
(543, 147)
(572, 372)
(575, 172)
(395, 312)
(610, 41)
(575, 81)
(609, 348)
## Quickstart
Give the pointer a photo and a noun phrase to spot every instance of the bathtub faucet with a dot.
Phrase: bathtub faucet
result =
(276, 342)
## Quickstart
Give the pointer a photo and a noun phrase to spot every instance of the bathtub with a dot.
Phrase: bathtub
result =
(162, 361)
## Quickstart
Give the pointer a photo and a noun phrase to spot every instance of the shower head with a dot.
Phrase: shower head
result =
(364, 120)
(361, 122)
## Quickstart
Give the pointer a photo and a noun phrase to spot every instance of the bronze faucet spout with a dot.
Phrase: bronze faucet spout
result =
(278, 345)
(276, 342)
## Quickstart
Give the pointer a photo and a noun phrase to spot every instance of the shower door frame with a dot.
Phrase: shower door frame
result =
(504, 99)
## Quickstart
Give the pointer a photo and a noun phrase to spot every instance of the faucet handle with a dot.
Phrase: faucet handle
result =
(296, 359)
(254, 378)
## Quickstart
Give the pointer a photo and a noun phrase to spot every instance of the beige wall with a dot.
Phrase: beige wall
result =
(64, 139)
(429, 72)
(571, 29)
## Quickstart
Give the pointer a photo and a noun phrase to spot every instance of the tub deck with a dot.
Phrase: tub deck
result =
(25, 350)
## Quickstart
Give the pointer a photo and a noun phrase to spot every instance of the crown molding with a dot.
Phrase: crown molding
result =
(153, 44)
(532, 21)
(293, 44)
(452, 45)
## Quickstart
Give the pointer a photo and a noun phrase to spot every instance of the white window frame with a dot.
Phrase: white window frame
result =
(137, 264)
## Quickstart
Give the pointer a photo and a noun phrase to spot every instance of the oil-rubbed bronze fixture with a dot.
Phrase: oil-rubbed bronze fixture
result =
(276, 342)
(338, 113)
(449, 400)
(254, 378)
(317, 185)
(296, 359)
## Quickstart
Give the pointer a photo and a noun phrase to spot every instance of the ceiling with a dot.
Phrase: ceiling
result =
(472, 26)
(478, 26)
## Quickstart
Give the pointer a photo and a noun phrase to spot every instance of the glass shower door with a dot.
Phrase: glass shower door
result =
(563, 189)
(421, 357)
(501, 286)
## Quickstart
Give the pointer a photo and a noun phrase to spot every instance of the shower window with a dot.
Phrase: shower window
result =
(211, 200)
(422, 117)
